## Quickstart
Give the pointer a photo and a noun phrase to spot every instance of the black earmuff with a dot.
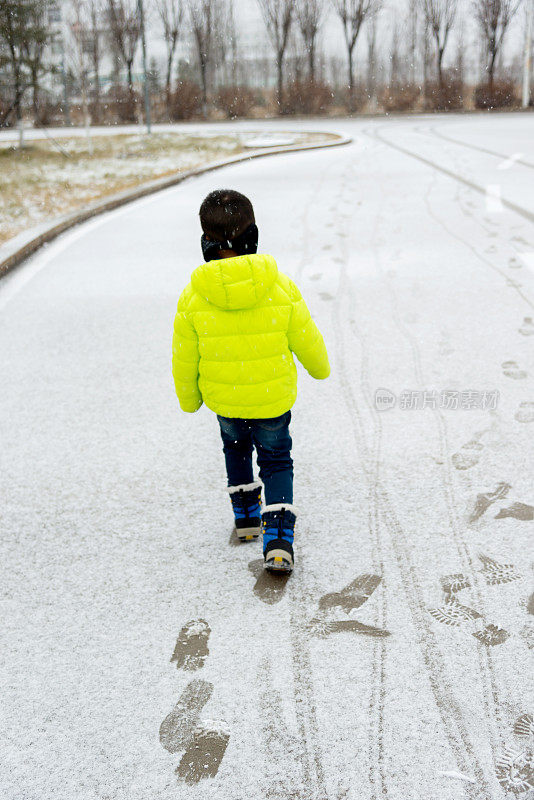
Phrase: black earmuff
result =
(245, 243)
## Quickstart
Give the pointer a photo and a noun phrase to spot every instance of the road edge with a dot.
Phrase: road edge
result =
(37, 240)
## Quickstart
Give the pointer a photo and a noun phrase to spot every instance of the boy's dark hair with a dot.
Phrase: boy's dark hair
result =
(225, 214)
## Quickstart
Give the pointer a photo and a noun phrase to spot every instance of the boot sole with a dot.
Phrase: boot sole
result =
(278, 561)
(247, 534)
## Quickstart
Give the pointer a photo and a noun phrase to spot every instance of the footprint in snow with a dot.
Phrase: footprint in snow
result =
(204, 743)
(485, 500)
(326, 296)
(491, 635)
(204, 753)
(354, 595)
(515, 768)
(496, 573)
(178, 727)
(514, 263)
(525, 412)
(511, 370)
(452, 612)
(515, 771)
(323, 628)
(468, 455)
(527, 633)
(451, 584)
(524, 725)
(527, 328)
(520, 511)
(191, 649)
(270, 587)
(317, 276)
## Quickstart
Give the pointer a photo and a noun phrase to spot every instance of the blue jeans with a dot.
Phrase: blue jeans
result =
(273, 445)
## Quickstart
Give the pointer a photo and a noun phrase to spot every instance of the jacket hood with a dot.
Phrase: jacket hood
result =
(235, 283)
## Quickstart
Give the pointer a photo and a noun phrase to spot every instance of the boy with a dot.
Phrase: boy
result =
(238, 322)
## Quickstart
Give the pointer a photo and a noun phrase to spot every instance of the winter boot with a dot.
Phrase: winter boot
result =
(278, 524)
(246, 502)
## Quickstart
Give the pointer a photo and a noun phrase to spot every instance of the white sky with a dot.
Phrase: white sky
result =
(253, 38)
(252, 28)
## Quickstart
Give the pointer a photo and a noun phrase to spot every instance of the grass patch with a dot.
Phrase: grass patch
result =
(41, 181)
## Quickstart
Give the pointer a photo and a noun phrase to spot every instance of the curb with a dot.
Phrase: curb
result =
(37, 237)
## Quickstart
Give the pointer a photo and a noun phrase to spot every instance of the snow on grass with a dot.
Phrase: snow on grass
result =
(41, 182)
(47, 179)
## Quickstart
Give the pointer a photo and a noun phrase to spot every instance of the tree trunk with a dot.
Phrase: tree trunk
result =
(96, 69)
(280, 81)
(204, 78)
(311, 61)
(168, 80)
(351, 78)
(440, 67)
(35, 97)
(371, 65)
(17, 105)
(491, 68)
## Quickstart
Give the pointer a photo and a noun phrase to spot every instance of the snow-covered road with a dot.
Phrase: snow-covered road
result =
(397, 660)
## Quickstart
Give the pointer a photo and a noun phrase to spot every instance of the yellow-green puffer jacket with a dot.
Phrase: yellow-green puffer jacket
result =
(238, 322)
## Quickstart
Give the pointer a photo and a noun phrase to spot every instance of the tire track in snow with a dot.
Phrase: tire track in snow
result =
(502, 156)
(377, 773)
(456, 235)
(491, 703)
(468, 213)
(305, 702)
(451, 714)
(454, 726)
(467, 559)
(523, 212)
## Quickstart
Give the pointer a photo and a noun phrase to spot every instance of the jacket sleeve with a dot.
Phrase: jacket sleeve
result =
(185, 359)
(305, 339)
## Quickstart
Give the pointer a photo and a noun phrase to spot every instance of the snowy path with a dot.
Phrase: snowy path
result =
(401, 648)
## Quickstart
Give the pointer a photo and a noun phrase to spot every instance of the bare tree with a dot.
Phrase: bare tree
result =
(310, 16)
(353, 14)
(413, 24)
(95, 46)
(207, 18)
(494, 17)
(79, 26)
(371, 60)
(395, 55)
(278, 16)
(23, 28)
(171, 14)
(439, 17)
(125, 29)
(225, 43)
(34, 49)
